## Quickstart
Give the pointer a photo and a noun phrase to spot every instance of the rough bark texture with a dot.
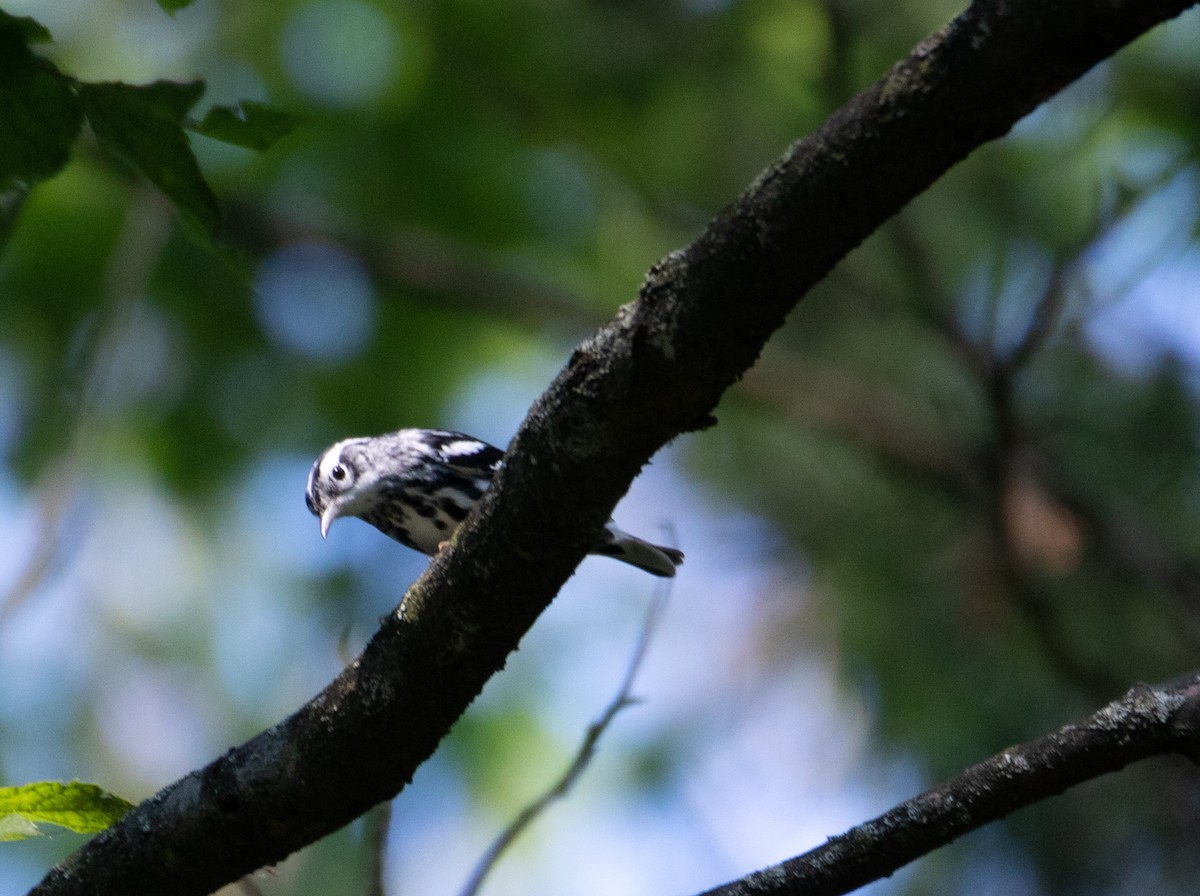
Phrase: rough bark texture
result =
(654, 372)
(1145, 722)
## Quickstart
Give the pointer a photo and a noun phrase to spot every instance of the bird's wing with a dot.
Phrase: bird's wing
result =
(466, 454)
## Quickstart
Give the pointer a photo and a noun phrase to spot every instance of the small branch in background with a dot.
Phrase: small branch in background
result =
(55, 498)
(873, 414)
(585, 753)
(1146, 721)
(1003, 484)
(1045, 317)
(424, 263)
(837, 80)
(1126, 545)
(249, 887)
(131, 263)
(993, 484)
(375, 839)
(12, 200)
(1053, 632)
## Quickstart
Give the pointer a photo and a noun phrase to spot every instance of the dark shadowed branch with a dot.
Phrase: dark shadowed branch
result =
(656, 371)
(1147, 721)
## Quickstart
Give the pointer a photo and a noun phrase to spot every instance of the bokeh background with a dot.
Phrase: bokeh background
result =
(954, 506)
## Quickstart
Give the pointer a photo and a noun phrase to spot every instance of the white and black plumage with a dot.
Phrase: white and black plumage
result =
(417, 485)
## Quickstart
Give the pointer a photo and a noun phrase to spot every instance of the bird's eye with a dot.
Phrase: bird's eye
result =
(338, 473)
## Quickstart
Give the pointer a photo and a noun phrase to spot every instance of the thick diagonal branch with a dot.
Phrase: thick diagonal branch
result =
(656, 371)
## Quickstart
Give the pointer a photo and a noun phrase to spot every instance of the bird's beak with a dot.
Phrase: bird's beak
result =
(327, 518)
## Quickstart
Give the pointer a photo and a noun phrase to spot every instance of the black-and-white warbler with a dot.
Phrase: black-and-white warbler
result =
(417, 485)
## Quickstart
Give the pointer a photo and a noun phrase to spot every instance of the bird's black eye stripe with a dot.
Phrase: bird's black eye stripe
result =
(338, 473)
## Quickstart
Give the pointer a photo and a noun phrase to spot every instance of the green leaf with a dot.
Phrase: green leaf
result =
(31, 30)
(38, 108)
(142, 125)
(77, 806)
(250, 124)
(173, 6)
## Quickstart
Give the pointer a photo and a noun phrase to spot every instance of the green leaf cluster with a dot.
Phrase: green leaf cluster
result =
(142, 126)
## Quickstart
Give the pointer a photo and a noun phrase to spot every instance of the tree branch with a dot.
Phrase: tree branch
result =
(1147, 721)
(656, 371)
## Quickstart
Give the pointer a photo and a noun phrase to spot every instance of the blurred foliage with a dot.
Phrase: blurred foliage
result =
(978, 436)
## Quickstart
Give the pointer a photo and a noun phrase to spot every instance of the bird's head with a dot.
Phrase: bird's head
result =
(339, 484)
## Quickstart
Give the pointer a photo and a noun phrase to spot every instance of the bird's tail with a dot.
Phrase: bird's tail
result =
(653, 558)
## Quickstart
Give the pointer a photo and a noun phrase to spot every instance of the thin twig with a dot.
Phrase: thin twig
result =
(375, 838)
(249, 886)
(1044, 319)
(134, 256)
(56, 497)
(583, 755)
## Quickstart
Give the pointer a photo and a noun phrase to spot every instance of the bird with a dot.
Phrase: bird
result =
(417, 485)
